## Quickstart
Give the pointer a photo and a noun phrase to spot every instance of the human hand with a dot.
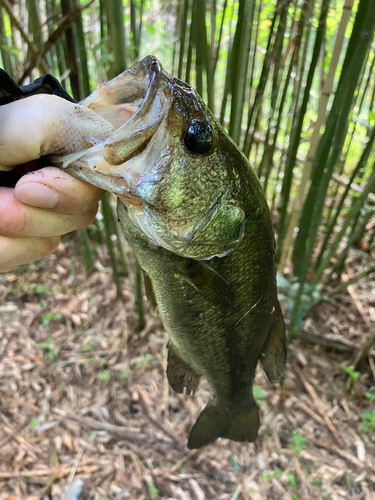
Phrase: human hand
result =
(46, 203)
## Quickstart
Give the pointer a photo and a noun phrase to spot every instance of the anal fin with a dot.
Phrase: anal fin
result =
(180, 374)
(273, 356)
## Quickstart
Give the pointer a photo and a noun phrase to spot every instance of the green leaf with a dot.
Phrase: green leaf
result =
(370, 416)
(350, 370)
(34, 423)
(41, 289)
(104, 375)
(153, 491)
(298, 442)
(371, 393)
(292, 480)
(143, 361)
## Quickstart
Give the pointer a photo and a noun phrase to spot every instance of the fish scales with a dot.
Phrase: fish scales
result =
(193, 210)
(220, 341)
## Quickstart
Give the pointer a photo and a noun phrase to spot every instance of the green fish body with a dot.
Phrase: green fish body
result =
(193, 210)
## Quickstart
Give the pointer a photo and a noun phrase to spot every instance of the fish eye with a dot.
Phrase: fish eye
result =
(198, 137)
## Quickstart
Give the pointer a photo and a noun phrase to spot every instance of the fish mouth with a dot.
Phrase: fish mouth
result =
(134, 103)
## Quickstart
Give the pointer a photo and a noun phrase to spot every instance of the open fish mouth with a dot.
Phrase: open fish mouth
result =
(138, 159)
(132, 104)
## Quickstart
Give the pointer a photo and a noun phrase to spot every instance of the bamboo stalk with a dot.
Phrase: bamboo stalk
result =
(361, 163)
(31, 45)
(107, 216)
(35, 23)
(116, 36)
(322, 108)
(71, 54)
(138, 292)
(183, 29)
(262, 84)
(83, 70)
(342, 286)
(239, 65)
(298, 119)
(84, 240)
(362, 34)
(5, 56)
(356, 231)
(332, 140)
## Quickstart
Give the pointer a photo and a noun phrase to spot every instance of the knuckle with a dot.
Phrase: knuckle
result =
(48, 245)
(16, 224)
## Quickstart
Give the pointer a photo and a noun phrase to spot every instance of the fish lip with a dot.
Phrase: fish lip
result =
(111, 149)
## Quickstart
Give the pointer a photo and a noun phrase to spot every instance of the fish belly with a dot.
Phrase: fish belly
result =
(220, 341)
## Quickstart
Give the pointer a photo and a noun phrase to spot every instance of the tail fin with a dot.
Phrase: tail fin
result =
(240, 424)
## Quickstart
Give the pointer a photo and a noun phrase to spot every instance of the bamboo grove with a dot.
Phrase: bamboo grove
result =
(293, 81)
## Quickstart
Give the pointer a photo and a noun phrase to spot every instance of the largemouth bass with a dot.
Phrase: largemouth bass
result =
(193, 210)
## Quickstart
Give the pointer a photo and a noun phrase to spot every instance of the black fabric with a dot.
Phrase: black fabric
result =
(46, 84)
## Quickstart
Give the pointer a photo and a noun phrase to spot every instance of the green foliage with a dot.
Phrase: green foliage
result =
(34, 423)
(350, 370)
(259, 395)
(104, 375)
(41, 289)
(48, 317)
(369, 417)
(143, 361)
(292, 480)
(371, 393)
(298, 442)
(49, 348)
(289, 291)
(271, 475)
(153, 491)
(88, 346)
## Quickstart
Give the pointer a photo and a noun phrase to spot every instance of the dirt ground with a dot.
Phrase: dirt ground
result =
(83, 395)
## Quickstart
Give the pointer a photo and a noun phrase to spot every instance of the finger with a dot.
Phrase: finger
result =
(46, 124)
(56, 190)
(17, 251)
(20, 220)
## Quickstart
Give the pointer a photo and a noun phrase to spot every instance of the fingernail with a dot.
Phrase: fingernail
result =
(37, 195)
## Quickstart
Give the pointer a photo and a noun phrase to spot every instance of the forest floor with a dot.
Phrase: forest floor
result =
(83, 396)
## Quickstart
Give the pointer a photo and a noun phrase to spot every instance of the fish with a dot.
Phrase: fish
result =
(193, 211)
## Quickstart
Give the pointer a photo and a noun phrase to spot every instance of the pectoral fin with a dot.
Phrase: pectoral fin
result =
(180, 374)
(150, 294)
(207, 282)
(274, 354)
